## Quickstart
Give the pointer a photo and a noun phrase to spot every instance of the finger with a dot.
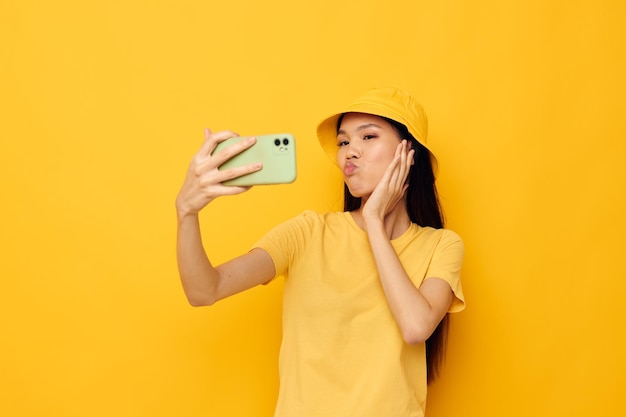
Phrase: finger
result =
(407, 157)
(406, 162)
(390, 173)
(410, 159)
(235, 172)
(396, 156)
(212, 139)
(396, 166)
(228, 152)
(206, 144)
(233, 189)
(404, 166)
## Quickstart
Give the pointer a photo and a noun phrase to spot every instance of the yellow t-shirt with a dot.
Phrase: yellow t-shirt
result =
(342, 353)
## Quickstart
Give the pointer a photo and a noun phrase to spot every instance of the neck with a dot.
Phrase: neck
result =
(395, 223)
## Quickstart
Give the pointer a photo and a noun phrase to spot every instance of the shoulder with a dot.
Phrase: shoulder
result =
(307, 220)
(450, 236)
(449, 243)
(436, 239)
(442, 235)
(314, 218)
(307, 217)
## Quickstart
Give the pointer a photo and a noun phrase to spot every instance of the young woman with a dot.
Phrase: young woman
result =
(367, 290)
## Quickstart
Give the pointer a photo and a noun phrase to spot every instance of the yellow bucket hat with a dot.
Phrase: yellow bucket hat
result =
(391, 103)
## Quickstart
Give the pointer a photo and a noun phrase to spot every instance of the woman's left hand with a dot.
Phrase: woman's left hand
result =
(392, 186)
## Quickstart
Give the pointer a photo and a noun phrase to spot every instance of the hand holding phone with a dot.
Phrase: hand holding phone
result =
(277, 154)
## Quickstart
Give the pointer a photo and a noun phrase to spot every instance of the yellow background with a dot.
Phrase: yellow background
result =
(102, 105)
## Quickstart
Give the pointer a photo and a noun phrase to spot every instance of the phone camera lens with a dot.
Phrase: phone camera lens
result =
(285, 141)
(277, 142)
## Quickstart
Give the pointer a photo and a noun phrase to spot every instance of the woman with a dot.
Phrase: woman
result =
(366, 290)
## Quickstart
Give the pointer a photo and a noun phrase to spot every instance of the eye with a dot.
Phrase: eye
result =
(367, 137)
(342, 142)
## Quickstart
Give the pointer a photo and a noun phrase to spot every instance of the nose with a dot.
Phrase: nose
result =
(353, 151)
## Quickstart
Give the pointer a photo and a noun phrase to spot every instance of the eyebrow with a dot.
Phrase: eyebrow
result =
(361, 127)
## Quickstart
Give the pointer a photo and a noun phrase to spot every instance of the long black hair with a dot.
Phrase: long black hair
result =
(422, 205)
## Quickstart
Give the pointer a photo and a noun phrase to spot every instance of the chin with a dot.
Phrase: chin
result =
(359, 193)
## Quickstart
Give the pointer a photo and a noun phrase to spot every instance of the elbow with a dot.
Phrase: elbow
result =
(413, 338)
(416, 334)
(198, 303)
(200, 295)
(200, 300)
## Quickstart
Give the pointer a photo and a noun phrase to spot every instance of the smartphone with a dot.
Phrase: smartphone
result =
(276, 152)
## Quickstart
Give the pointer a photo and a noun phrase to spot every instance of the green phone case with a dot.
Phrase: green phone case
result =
(276, 152)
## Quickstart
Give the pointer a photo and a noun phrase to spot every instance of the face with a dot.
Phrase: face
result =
(366, 146)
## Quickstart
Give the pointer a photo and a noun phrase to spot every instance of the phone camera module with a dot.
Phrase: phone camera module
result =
(277, 142)
(285, 141)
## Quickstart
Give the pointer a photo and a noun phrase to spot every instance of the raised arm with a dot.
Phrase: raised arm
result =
(417, 311)
(203, 283)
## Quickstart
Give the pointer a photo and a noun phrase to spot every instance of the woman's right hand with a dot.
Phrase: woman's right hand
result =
(203, 182)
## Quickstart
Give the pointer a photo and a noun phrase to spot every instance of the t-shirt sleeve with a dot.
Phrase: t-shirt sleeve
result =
(284, 241)
(446, 264)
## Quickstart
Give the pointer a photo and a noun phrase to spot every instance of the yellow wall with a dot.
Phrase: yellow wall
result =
(102, 104)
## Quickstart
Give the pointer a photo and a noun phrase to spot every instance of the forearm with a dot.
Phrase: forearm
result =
(199, 278)
(412, 311)
(203, 284)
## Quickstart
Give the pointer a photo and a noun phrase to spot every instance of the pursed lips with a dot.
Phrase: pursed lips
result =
(349, 168)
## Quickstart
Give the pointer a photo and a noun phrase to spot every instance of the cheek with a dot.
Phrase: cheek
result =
(341, 157)
(380, 165)
(385, 150)
(384, 158)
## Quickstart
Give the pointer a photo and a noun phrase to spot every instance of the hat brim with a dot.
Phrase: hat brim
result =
(327, 129)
